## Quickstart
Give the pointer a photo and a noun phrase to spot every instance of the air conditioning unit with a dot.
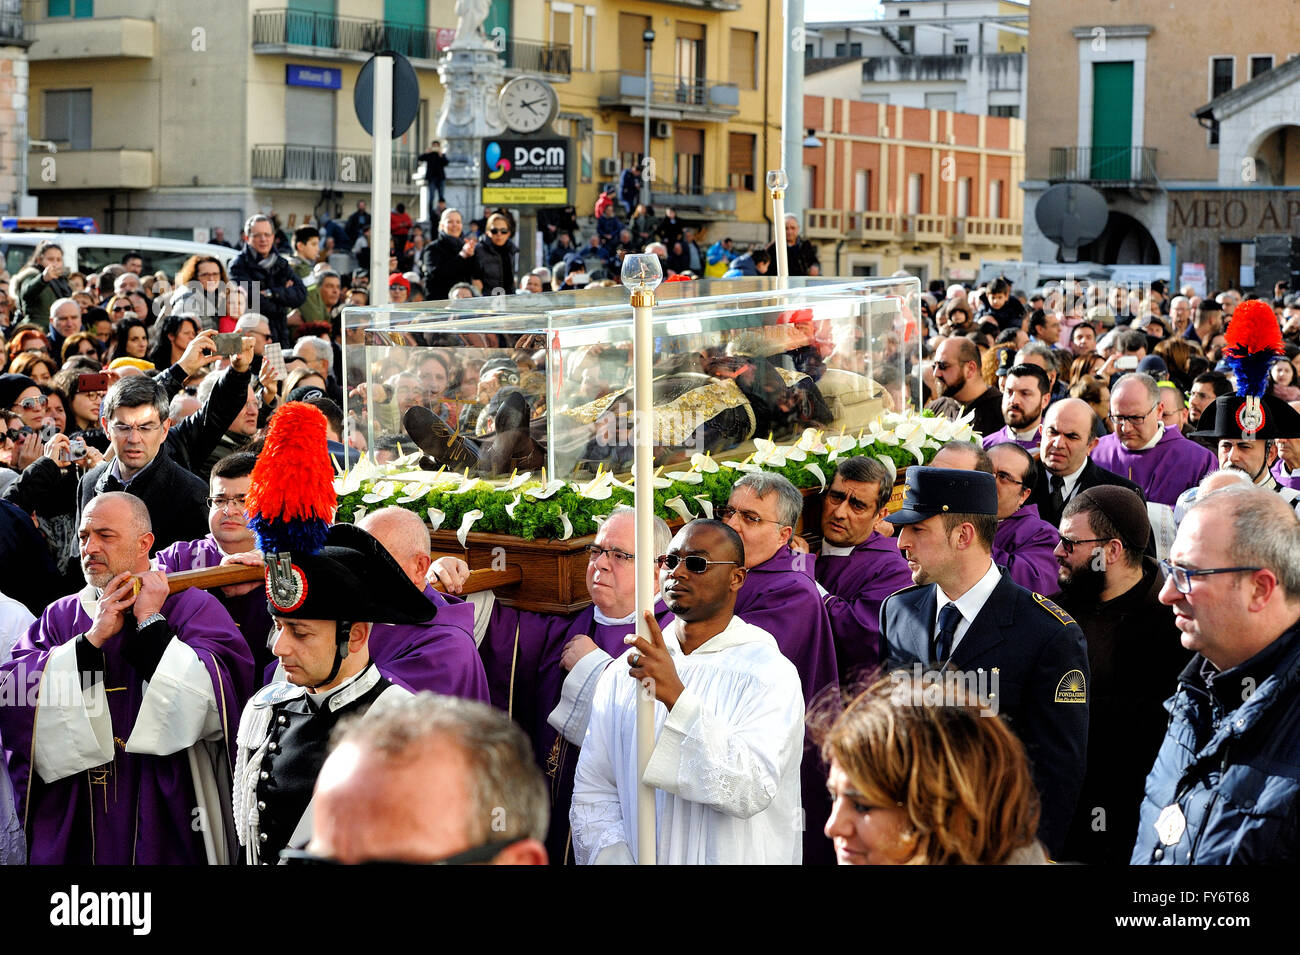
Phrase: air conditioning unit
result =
(662, 129)
(608, 166)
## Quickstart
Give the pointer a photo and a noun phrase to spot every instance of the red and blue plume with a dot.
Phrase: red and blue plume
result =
(1253, 342)
(291, 497)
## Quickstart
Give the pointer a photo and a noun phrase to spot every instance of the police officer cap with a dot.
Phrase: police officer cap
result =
(932, 491)
(351, 578)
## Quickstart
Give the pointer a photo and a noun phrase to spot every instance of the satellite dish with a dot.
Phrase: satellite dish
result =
(1071, 215)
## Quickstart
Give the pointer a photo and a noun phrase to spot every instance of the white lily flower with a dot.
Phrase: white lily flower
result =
(704, 463)
(380, 491)
(816, 472)
(436, 517)
(599, 488)
(466, 523)
(516, 481)
(510, 508)
(471, 484)
(877, 433)
(414, 492)
(706, 505)
(686, 477)
(678, 506)
(768, 453)
(568, 526)
(546, 490)
(810, 442)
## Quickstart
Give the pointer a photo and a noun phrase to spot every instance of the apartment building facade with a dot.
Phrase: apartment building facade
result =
(931, 192)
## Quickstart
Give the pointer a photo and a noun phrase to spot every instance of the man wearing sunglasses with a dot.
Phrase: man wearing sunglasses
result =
(858, 567)
(1141, 449)
(965, 615)
(543, 668)
(957, 370)
(1224, 787)
(1111, 586)
(780, 588)
(728, 719)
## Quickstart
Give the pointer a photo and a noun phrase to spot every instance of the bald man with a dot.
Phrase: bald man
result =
(439, 656)
(1064, 468)
(121, 708)
(1158, 459)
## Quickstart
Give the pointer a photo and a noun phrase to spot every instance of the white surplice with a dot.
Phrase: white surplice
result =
(725, 763)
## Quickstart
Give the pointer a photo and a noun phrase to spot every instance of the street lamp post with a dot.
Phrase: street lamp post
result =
(648, 37)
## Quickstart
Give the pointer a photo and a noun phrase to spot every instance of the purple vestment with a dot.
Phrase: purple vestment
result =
(1024, 545)
(1005, 434)
(521, 654)
(858, 584)
(781, 596)
(1280, 474)
(249, 611)
(1164, 471)
(139, 808)
(438, 655)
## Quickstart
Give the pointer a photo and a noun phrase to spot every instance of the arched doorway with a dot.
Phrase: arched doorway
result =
(1124, 241)
(1276, 159)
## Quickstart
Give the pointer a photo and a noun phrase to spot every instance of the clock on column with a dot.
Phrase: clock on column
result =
(528, 104)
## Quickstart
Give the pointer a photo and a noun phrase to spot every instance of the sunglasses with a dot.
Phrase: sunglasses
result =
(498, 231)
(694, 563)
(39, 401)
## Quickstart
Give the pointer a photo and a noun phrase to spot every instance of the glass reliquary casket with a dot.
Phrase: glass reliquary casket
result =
(499, 384)
(497, 387)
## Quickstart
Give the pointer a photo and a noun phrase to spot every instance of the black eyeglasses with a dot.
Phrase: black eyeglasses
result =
(1183, 576)
(694, 563)
(856, 506)
(475, 856)
(749, 517)
(1132, 420)
(498, 231)
(1007, 478)
(594, 554)
(1068, 545)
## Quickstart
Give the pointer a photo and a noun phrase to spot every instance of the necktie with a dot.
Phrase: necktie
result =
(1057, 484)
(949, 617)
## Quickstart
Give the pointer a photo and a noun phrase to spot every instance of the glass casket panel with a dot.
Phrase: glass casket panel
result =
(503, 383)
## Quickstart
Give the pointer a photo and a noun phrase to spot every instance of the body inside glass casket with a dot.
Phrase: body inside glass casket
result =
(510, 383)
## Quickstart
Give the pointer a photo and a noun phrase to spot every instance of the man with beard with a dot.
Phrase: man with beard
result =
(1025, 397)
(1134, 655)
(1024, 541)
(957, 369)
(858, 567)
(965, 614)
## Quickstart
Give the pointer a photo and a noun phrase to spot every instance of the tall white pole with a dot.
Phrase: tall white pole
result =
(643, 301)
(381, 188)
(777, 183)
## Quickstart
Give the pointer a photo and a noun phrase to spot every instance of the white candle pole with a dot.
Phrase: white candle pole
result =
(644, 273)
(777, 181)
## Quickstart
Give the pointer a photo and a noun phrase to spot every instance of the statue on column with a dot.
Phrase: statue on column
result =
(469, 25)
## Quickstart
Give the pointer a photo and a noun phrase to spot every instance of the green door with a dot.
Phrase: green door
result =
(1112, 120)
(406, 27)
(309, 23)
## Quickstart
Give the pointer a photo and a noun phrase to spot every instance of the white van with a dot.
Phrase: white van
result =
(90, 252)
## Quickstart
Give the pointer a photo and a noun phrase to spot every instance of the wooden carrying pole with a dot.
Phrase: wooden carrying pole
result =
(208, 577)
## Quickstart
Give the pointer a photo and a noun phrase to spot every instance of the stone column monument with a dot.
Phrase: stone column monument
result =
(471, 74)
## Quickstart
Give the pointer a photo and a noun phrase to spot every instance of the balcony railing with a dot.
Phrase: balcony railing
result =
(298, 28)
(529, 56)
(14, 30)
(1103, 164)
(351, 35)
(689, 195)
(674, 94)
(823, 224)
(323, 166)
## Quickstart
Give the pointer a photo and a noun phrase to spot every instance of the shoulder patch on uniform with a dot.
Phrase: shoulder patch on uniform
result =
(1072, 688)
(277, 692)
(1054, 609)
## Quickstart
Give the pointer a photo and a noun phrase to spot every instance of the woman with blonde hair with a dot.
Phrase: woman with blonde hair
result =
(919, 781)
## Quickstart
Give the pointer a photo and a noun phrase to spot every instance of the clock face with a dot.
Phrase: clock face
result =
(528, 104)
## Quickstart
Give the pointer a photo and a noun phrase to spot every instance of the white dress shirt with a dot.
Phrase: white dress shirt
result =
(968, 604)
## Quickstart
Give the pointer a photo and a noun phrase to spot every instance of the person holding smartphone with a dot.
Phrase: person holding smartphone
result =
(43, 282)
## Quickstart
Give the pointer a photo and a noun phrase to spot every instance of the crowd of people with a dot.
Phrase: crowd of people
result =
(977, 677)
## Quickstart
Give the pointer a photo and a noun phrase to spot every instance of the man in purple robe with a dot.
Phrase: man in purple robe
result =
(858, 567)
(780, 595)
(1159, 460)
(1286, 471)
(229, 536)
(1024, 544)
(1025, 397)
(542, 668)
(120, 736)
(439, 655)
